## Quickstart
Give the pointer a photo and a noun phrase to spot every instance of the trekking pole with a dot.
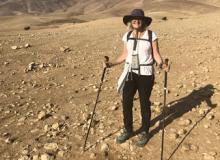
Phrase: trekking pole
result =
(163, 111)
(93, 113)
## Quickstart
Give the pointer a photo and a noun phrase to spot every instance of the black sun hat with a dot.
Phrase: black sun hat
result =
(137, 14)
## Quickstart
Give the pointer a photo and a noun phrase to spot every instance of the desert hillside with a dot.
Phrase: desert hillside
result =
(50, 74)
(115, 7)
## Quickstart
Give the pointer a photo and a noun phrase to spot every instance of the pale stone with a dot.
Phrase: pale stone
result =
(206, 126)
(182, 131)
(55, 126)
(113, 108)
(173, 136)
(185, 148)
(45, 156)
(210, 117)
(27, 45)
(194, 147)
(41, 115)
(92, 156)
(104, 147)
(35, 157)
(14, 47)
(60, 153)
(207, 156)
(51, 146)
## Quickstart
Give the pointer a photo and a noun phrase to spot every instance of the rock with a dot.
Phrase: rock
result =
(55, 126)
(51, 147)
(202, 111)
(164, 18)
(173, 136)
(9, 140)
(35, 157)
(185, 148)
(157, 109)
(14, 47)
(6, 63)
(176, 94)
(92, 156)
(46, 156)
(23, 158)
(27, 28)
(42, 115)
(194, 148)
(125, 145)
(183, 122)
(31, 66)
(179, 86)
(34, 130)
(213, 153)
(46, 128)
(182, 131)
(65, 49)
(42, 65)
(113, 108)
(207, 125)
(104, 147)
(25, 151)
(6, 134)
(64, 117)
(207, 156)
(27, 45)
(157, 103)
(96, 90)
(22, 119)
(60, 153)
(210, 116)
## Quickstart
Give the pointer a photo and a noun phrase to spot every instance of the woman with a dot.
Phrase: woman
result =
(140, 52)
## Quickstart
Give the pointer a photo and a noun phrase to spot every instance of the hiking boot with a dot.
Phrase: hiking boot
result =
(123, 137)
(143, 139)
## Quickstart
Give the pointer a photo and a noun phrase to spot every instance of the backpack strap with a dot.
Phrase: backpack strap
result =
(128, 35)
(139, 39)
(150, 37)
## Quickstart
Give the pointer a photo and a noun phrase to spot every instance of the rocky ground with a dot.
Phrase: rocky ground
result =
(49, 80)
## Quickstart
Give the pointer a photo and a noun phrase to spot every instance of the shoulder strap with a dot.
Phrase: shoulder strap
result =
(128, 35)
(150, 36)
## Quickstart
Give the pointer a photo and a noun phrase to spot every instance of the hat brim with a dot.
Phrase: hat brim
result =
(128, 18)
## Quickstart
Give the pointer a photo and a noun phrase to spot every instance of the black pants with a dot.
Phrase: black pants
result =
(144, 85)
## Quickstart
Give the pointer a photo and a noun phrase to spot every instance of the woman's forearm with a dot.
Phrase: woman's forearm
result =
(119, 60)
(158, 58)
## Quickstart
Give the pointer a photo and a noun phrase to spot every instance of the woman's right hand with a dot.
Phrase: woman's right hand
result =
(107, 63)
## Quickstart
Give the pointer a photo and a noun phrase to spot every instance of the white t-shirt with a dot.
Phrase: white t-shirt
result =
(143, 50)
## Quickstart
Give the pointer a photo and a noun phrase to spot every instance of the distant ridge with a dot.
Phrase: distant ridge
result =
(112, 7)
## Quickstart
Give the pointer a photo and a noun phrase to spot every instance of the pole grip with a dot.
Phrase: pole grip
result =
(106, 58)
(166, 61)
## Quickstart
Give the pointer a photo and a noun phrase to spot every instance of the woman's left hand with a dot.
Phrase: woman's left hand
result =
(164, 66)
